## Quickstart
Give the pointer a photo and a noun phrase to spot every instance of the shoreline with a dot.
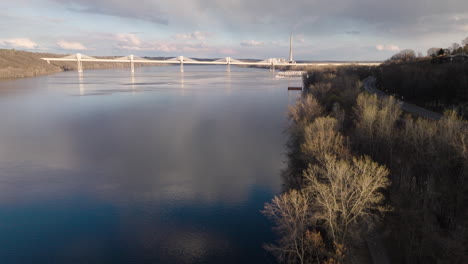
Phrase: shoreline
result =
(15, 64)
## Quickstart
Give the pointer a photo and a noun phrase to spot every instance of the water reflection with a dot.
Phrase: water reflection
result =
(182, 83)
(155, 177)
(80, 83)
(229, 81)
(133, 82)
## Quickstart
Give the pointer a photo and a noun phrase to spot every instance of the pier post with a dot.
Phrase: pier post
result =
(181, 59)
(132, 66)
(78, 60)
(228, 61)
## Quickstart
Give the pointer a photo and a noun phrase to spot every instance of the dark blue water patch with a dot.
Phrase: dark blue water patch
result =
(248, 228)
(73, 231)
(83, 230)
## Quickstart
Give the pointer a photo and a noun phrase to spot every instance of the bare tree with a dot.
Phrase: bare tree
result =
(465, 41)
(427, 137)
(322, 138)
(291, 215)
(404, 55)
(376, 121)
(345, 193)
(321, 90)
(453, 131)
(306, 110)
(432, 173)
(454, 47)
(432, 52)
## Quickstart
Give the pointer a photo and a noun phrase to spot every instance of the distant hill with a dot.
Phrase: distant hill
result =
(18, 64)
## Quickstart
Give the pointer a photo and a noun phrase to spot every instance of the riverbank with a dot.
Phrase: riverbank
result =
(20, 64)
(359, 166)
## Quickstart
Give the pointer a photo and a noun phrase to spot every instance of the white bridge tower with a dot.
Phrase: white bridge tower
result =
(291, 48)
(80, 64)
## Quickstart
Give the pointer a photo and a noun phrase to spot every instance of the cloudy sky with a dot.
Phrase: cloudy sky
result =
(323, 29)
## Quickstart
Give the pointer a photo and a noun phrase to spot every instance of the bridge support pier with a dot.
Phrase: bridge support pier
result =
(228, 61)
(132, 66)
(80, 64)
(181, 59)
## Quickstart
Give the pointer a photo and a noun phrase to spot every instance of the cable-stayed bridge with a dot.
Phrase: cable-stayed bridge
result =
(132, 59)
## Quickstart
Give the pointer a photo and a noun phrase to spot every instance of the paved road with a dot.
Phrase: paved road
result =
(369, 85)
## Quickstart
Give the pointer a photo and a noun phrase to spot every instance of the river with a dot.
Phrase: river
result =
(158, 167)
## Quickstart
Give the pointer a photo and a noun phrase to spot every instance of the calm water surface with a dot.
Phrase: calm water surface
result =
(158, 167)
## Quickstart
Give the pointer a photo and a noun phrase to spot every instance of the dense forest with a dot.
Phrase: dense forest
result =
(432, 85)
(437, 81)
(362, 174)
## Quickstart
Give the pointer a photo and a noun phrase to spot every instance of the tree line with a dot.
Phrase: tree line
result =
(357, 166)
(436, 81)
(407, 55)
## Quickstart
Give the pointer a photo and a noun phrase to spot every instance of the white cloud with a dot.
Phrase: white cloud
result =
(250, 43)
(388, 47)
(70, 45)
(380, 47)
(131, 42)
(197, 35)
(128, 39)
(18, 43)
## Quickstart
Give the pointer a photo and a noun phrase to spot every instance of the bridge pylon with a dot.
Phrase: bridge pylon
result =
(181, 59)
(228, 62)
(272, 64)
(132, 65)
(80, 64)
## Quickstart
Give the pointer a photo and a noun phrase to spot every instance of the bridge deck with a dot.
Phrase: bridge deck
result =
(272, 62)
(215, 62)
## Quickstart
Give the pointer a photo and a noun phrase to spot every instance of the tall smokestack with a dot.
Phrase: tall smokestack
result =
(290, 48)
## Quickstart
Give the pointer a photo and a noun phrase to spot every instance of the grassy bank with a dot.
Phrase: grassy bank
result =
(358, 166)
(19, 64)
